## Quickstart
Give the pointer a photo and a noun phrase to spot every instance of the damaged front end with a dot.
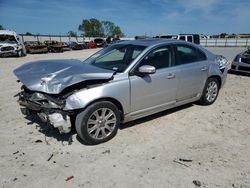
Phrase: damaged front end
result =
(48, 83)
(48, 108)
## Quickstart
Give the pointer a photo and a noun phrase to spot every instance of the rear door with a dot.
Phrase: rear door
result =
(193, 71)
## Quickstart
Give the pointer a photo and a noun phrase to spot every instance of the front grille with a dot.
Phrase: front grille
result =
(7, 48)
(245, 60)
(244, 68)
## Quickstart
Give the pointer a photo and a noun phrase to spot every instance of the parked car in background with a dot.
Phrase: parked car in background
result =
(194, 38)
(34, 47)
(54, 46)
(66, 46)
(120, 83)
(11, 44)
(241, 62)
(76, 46)
(100, 43)
(84, 45)
(91, 44)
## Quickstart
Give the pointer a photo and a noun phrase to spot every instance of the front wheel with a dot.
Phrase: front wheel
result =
(210, 92)
(19, 53)
(98, 123)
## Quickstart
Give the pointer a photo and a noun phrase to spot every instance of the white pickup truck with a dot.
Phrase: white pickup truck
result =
(10, 44)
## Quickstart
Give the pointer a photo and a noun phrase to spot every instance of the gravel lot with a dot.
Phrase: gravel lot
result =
(145, 153)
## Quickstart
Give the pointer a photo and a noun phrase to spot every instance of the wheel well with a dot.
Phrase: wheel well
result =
(217, 78)
(112, 100)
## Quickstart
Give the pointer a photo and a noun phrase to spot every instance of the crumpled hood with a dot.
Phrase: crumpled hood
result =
(53, 76)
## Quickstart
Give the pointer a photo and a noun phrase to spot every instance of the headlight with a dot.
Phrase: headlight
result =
(222, 61)
(45, 101)
(37, 96)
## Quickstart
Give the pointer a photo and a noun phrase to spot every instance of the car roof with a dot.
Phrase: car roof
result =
(151, 42)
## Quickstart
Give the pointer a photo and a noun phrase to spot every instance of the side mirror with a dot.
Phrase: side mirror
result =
(147, 69)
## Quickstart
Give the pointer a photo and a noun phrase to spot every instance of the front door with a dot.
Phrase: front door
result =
(152, 91)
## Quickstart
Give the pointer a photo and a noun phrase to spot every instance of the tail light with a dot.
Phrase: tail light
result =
(222, 61)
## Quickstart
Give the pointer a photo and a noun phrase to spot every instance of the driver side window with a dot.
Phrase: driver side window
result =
(159, 58)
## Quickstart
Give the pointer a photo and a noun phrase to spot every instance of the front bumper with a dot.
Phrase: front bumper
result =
(54, 116)
(240, 67)
(9, 53)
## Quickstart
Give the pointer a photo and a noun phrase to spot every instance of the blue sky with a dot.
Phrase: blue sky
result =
(135, 17)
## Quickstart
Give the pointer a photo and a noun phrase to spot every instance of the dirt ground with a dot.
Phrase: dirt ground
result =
(150, 152)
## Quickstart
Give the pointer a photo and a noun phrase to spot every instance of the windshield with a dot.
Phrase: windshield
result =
(8, 39)
(116, 57)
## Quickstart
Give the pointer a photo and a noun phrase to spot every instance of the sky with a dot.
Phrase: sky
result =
(135, 17)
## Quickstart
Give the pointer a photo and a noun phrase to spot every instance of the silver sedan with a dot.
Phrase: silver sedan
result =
(121, 83)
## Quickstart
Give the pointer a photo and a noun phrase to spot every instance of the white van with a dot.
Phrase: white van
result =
(195, 38)
(10, 44)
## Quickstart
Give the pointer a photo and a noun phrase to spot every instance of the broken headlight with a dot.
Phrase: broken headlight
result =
(46, 101)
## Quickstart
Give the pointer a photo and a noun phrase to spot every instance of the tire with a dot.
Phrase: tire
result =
(20, 53)
(210, 92)
(98, 123)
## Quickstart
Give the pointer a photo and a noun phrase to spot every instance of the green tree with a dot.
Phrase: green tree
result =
(2, 28)
(72, 34)
(28, 33)
(110, 29)
(223, 35)
(92, 28)
(118, 32)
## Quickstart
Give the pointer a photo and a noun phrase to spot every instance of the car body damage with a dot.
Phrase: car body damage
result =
(44, 83)
(54, 76)
(11, 44)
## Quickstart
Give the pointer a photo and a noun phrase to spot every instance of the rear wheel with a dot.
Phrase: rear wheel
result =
(210, 92)
(98, 123)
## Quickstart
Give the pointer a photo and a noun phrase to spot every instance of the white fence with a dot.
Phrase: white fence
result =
(237, 42)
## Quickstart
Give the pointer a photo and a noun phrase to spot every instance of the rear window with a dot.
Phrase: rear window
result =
(187, 54)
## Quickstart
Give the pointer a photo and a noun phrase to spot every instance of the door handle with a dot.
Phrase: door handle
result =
(171, 76)
(203, 68)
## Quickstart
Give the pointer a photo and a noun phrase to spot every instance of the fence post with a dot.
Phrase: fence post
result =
(236, 42)
(206, 42)
(216, 42)
(246, 42)
(22, 38)
(226, 43)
